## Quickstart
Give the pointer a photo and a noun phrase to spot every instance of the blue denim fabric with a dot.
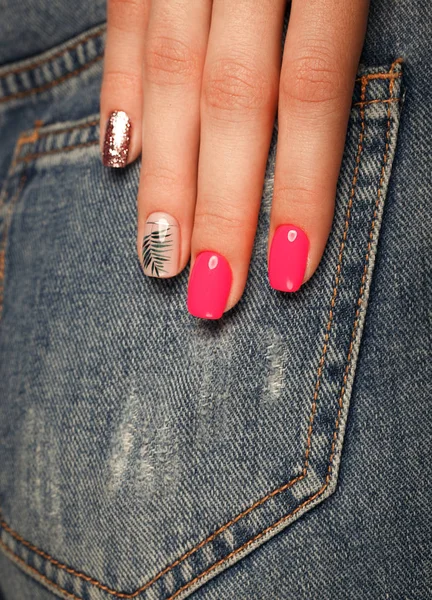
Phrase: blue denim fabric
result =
(143, 451)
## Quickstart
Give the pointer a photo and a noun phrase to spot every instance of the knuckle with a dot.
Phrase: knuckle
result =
(170, 61)
(231, 85)
(161, 176)
(122, 82)
(301, 198)
(312, 78)
(220, 224)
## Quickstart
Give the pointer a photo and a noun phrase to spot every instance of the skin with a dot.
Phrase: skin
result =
(201, 81)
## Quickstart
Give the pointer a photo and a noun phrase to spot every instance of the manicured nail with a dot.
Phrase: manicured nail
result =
(288, 258)
(161, 245)
(209, 286)
(117, 140)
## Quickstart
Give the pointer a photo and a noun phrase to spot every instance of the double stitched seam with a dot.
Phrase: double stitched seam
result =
(389, 75)
(32, 156)
(51, 84)
(338, 273)
(350, 354)
(69, 129)
(58, 54)
(35, 135)
(310, 429)
(363, 279)
(389, 101)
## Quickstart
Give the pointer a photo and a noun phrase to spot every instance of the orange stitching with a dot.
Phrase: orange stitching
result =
(67, 129)
(56, 55)
(214, 566)
(388, 101)
(347, 368)
(32, 138)
(38, 575)
(47, 86)
(251, 541)
(167, 569)
(398, 61)
(365, 78)
(29, 137)
(262, 500)
(363, 279)
(389, 75)
(29, 157)
(338, 272)
(186, 586)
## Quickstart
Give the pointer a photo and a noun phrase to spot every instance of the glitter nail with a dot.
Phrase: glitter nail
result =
(117, 140)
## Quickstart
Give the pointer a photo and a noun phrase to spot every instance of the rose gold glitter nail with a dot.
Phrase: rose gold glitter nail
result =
(117, 140)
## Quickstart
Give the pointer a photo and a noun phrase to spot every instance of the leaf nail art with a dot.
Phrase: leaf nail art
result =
(160, 248)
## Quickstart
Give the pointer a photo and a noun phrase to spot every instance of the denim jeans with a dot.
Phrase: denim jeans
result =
(282, 452)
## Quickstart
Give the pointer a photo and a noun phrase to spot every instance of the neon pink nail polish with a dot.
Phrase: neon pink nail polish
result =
(209, 286)
(288, 258)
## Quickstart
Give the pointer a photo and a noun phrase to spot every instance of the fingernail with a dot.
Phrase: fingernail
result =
(117, 140)
(288, 258)
(161, 245)
(209, 286)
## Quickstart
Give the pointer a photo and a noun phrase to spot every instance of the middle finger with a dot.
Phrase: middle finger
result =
(238, 102)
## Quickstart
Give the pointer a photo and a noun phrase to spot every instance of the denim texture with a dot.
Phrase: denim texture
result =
(31, 27)
(143, 451)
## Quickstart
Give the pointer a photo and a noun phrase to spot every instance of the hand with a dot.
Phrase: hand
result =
(194, 86)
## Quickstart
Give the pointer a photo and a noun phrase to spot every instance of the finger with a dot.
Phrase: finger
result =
(121, 94)
(239, 96)
(321, 56)
(174, 58)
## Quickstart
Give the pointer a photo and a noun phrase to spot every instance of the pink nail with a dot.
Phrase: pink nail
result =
(288, 258)
(209, 286)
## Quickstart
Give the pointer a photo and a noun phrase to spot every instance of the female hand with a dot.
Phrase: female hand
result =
(193, 85)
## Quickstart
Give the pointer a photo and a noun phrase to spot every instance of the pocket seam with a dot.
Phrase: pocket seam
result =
(51, 84)
(34, 155)
(31, 157)
(47, 58)
(289, 484)
(39, 63)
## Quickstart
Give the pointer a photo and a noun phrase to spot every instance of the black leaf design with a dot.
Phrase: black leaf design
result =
(155, 252)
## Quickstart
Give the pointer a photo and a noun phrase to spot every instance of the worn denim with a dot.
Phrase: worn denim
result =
(143, 451)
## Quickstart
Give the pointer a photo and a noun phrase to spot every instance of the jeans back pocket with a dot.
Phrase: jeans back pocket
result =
(143, 450)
